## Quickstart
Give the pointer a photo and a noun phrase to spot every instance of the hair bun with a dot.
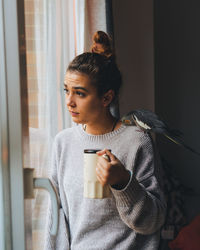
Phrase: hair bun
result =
(102, 44)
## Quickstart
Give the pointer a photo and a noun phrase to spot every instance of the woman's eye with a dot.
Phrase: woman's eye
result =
(66, 90)
(80, 94)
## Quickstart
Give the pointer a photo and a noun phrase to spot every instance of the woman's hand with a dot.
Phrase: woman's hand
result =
(111, 172)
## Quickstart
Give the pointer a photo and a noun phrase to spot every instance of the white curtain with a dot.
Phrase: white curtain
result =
(54, 45)
(62, 29)
(95, 19)
(90, 16)
(54, 49)
(79, 15)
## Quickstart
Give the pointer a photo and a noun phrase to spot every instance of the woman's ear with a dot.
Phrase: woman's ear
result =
(108, 97)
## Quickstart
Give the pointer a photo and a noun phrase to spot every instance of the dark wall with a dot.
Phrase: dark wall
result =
(177, 86)
(133, 33)
(158, 51)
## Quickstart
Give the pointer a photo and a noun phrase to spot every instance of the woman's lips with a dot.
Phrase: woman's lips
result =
(74, 113)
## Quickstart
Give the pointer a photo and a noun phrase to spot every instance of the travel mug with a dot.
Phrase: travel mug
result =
(92, 187)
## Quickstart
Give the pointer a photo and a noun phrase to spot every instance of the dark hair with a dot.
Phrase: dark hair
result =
(105, 40)
(103, 72)
(102, 38)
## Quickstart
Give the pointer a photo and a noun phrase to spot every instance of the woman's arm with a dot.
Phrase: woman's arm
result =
(61, 241)
(140, 202)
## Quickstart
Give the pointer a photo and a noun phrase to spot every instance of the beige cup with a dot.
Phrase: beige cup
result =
(92, 187)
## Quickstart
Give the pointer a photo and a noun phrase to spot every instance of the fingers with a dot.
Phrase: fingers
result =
(111, 156)
(104, 163)
(102, 152)
(101, 176)
(108, 153)
(109, 172)
(105, 156)
(103, 169)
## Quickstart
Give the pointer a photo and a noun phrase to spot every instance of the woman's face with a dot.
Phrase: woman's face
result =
(83, 102)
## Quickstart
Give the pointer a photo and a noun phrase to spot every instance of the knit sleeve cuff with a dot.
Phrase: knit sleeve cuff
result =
(131, 194)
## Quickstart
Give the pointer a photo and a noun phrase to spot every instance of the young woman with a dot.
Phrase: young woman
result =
(132, 217)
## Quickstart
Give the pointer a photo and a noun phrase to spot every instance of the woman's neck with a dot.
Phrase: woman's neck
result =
(102, 126)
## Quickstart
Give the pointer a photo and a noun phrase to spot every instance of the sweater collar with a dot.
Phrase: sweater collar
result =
(84, 135)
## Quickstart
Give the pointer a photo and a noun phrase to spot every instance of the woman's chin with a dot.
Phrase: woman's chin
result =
(76, 120)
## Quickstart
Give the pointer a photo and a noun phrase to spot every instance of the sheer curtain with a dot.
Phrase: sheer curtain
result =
(90, 16)
(50, 38)
(54, 48)
(56, 31)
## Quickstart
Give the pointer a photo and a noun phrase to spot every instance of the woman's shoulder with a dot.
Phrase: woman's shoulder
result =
(137, 135)
(64, 135)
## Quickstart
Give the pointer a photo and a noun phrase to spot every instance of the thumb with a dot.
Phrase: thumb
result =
(110, 155)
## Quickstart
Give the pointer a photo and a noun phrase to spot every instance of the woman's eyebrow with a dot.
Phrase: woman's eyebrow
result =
(80, 88)
(77, 87)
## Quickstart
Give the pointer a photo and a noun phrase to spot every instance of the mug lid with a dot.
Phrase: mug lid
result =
(91, 151)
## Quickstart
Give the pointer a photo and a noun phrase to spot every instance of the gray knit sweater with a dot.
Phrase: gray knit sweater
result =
(131, 218)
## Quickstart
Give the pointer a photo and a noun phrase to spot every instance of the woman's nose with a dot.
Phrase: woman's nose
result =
(70, 101)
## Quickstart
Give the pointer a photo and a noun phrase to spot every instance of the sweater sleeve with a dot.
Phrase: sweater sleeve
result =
(141, 203)
(61, 240)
